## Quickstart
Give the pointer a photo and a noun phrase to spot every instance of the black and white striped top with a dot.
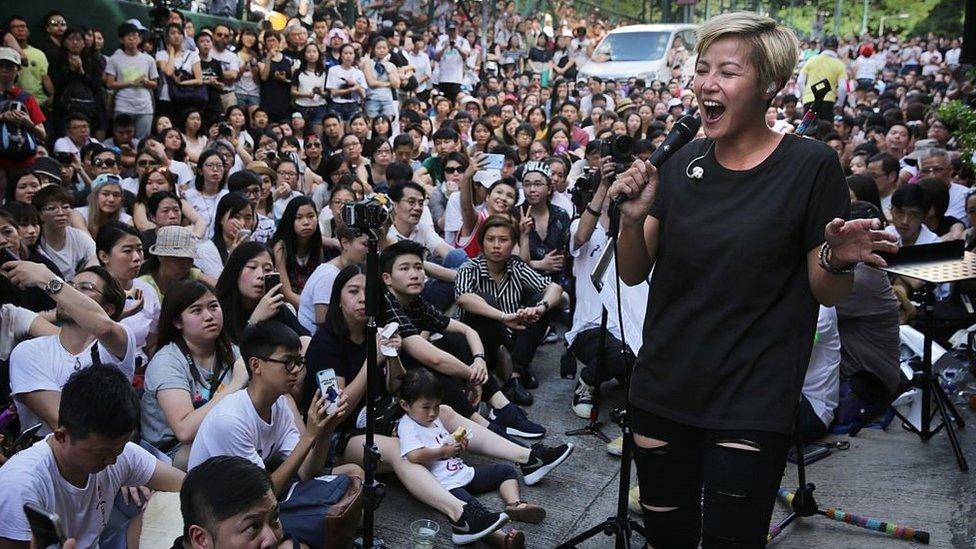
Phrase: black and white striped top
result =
(519, 283)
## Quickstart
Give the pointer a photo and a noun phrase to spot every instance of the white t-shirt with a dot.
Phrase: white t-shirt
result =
(123, 217)
(450, 472)
(308, 81)
(15, 323)
(453, 220)
(317, 291)
(925, 236)
(278, 208)
(184, 175)
(78, 251)
(145, 322)
(206, 206)
(129, 68)
(43, 364)
(422, 63)
(33, 476)
(451, 63)
(184, 62)
(421, 234)
(589, 304)
(208, 259)
(234, 428)
(821, 386)
(66, 145)
(334, 81)
(957, 202)
(229, 61)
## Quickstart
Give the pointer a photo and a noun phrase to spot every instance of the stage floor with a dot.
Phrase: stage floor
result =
(889, 475)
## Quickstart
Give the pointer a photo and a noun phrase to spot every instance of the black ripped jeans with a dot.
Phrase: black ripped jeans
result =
(721, 496)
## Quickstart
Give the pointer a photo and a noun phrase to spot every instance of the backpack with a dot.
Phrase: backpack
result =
(16, 143)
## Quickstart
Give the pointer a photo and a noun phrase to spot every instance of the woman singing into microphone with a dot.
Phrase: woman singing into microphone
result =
(745, 231)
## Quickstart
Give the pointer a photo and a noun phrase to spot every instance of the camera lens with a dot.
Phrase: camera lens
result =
(622, 146)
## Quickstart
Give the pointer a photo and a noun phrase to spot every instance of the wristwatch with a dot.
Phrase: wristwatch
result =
(481, 356)
(544, 303)
(54, 286)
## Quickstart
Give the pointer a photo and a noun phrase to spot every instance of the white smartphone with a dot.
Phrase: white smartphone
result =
(328, 388)
(386, 333)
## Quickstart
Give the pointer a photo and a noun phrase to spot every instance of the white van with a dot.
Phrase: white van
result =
(638, 51)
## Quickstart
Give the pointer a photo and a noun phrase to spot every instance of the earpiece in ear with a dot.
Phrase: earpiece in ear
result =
(772, 87)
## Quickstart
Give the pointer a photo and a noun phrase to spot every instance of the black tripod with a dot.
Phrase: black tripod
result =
(373, 491)
(803, 505)
(620, 525)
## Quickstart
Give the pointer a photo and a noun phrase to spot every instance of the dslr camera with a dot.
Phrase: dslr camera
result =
(621, 148)
(370, 213)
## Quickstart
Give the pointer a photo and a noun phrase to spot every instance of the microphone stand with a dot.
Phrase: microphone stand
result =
(620, 525)
(373, 489)
(595, 427)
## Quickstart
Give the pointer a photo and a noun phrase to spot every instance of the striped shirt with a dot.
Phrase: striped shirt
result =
(520, 282)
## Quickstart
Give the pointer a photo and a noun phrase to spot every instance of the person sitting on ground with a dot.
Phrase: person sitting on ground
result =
(234, 223)
(507, 302)
(424, 440)
(195, 367)
(314, 301)
(69, 248)
(909, 206)
(171, 258)
(448, 357)
(224, 494)
(408, 198)
(297, 246)
(77, 472)
(259, 423)
(13, 245)
(340, 344)
(936, 220)
(500, 200)
(821, 384)
(89, 308)
(545, 227)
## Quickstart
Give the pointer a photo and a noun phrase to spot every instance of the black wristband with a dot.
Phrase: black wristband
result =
(481, 356)
(825, 263)
(592, 211)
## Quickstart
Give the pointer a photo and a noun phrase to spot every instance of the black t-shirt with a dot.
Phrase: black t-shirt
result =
(275, 95)
(330, 350)
(731, 317)
(946, 223)
(214, 69)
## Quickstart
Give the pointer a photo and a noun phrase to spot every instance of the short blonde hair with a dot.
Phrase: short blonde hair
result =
(775, 49)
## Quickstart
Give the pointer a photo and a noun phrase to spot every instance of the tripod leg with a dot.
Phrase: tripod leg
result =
(946, 420)
(941, 394)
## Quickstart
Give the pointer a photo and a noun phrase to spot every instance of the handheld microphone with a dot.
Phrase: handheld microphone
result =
(683, 131)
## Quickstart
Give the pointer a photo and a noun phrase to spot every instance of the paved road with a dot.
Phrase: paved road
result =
(889, 475)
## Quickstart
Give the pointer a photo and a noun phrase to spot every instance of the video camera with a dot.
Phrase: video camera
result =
(370, 213)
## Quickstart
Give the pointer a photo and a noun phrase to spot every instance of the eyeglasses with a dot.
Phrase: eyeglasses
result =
(456, 169)
(252, 191)
(57, 23)
(221, 34)
(292, 365)
(50, 209)
(212, 166)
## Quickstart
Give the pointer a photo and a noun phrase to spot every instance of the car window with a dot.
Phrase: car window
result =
(633, 46)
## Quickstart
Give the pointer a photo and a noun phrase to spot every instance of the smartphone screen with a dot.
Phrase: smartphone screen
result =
(495, 161)
(45, 526)
(270, 281)
(24, 440)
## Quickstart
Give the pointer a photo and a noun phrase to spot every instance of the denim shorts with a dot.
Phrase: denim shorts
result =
(346, 110)
(313, 115)
(245, 100)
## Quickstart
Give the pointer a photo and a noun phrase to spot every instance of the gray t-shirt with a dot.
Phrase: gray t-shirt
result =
(169, 369)
(128, 68)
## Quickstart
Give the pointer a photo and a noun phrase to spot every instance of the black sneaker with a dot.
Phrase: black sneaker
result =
(543, 459)
(516, 422)
(515, 392)
(529, 380)
(475, 523)
(502, 431)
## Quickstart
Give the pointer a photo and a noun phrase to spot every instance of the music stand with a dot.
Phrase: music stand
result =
(933, 264)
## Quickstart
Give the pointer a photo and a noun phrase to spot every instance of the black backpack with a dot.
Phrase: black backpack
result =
(16, 143)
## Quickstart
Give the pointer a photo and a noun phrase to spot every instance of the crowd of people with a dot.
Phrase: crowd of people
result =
(174, 210)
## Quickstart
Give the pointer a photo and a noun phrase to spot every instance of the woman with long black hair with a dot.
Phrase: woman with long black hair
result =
(742, 253)
(297, 246)
(209, 186)
(243, 296)
(195, 367)
(77, 79)
(235, 223)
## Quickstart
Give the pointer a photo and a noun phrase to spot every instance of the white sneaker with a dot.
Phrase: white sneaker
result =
(582, 399)
(616, 446)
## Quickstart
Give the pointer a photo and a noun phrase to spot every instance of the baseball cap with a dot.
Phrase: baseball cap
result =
(137, 24)
(10, 54)
(47, 166)
(674, 102)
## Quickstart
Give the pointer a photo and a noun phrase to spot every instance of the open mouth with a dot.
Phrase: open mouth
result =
(713, 111)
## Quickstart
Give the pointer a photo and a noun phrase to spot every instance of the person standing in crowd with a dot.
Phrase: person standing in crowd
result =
(275, 74)
(30, 117)
(230, 65)
(450, 53)
(133, 75)
(346, 84)
(692, 430)
(825, 66)
(179, 67)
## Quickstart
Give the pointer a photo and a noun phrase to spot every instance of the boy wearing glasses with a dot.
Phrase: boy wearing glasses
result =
(88, 309)
(257, 423)
(69, 248)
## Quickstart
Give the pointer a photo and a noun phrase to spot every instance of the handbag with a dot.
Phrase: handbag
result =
(323, 512)
(186, 95)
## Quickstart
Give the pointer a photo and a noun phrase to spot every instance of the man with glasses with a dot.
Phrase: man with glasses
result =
(935, 164)
(88, 309)
(78, 135)
(883, 168)
(69, 248)
(33, 75)
(257, 423)
(230, 64)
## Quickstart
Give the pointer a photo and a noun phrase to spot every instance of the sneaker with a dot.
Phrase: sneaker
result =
(502, 431)
(543, 459)
(633, 500)
(475, 523)
(616, 446)
(529, 380)
(515, 392)
(582, 399)
(551, 336)
(524, 511)
(516, 422)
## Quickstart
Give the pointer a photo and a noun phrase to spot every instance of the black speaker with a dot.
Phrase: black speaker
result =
(969, 34)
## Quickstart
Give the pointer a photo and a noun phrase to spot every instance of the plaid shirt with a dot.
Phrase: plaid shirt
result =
(519, 283)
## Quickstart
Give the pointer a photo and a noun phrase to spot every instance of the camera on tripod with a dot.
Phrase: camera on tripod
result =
(370, 213)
